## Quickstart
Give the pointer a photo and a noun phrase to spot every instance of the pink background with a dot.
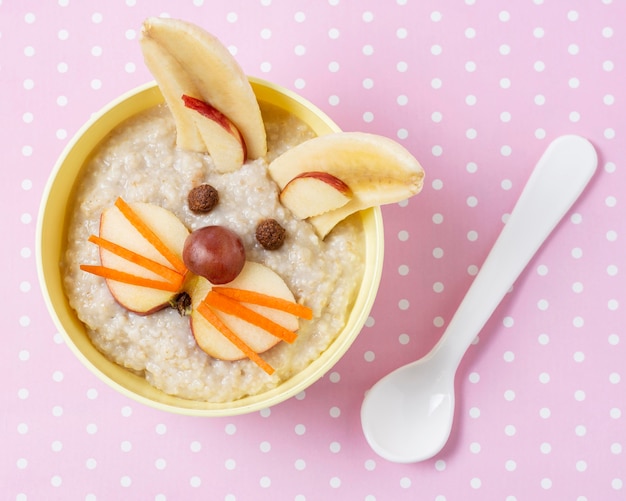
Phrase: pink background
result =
(476, 89)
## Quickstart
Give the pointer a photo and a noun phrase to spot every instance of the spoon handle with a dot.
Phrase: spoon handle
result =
(556, 182)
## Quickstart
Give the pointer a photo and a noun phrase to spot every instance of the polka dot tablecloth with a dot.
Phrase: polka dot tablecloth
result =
(476, 89)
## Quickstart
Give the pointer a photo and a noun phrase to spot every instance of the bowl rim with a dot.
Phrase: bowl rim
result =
(48, 269)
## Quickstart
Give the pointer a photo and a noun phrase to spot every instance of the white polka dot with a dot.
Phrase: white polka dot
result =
(470, 66)
(333, 33)
(510, 465)
(470, 33)
(195, 446)
(538, 32)
(195, 481)
(63, 35)
(617, 484)
(126, 446)
(608, 99)
(580, 431)
(614, 378)
(402, 66)
(91, 429)
(472, 235)
(505, 83)
(475, 483)
(615, 413)
(405, 482)
(546, 483)
(608, 65)
(474, 412)
(335, 482)
(579, 395)
(470, 100)
(613, 339)
(544, 413)
(230, 464)
(543, 304)
(616, 448)
(509, 395)
(335, 447)
(56, 481)
(369, 356)
(573, 49)
(300, 429)
(545, 448)
(474, 447)
(96, 84)
(161, 429)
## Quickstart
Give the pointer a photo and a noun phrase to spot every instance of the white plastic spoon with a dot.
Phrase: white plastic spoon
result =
(407, 416)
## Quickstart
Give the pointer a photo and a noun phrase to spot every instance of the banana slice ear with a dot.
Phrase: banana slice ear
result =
(372, 170)
(186, 60)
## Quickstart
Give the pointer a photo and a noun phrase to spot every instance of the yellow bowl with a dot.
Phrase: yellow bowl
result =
(52, 234)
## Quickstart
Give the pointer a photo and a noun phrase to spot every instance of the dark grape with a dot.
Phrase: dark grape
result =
(215, 253)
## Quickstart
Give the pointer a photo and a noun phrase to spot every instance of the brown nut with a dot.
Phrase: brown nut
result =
(270, 234)
(202, 198)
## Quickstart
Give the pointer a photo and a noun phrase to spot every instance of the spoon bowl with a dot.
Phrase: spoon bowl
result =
(407, 416)
(399, 412)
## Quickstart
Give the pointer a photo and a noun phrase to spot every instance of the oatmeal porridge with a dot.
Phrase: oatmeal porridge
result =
(140, 163)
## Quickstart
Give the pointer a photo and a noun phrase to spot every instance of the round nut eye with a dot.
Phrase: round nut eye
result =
(202, 198)
(270, 234)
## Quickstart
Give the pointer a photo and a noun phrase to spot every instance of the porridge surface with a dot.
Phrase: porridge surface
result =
(140, 163)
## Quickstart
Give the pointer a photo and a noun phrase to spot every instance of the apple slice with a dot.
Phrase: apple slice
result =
(115, 227)
(377, 169)
(254, 277)
(222, 139)
(312, 193)
(215, 73)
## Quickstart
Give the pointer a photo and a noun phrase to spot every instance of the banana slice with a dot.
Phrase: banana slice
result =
(376, 169)
(205, 70)
(174, 82)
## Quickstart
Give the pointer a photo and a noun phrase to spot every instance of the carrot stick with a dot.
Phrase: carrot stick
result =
(233, 307)
(216, 322)
(258, 298)
(170, 275)
(128, 278)
(149, 235)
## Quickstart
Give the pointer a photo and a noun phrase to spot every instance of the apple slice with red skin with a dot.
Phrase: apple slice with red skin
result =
(256, 277)
(313, 193)
(116, 228)
(221, 137)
